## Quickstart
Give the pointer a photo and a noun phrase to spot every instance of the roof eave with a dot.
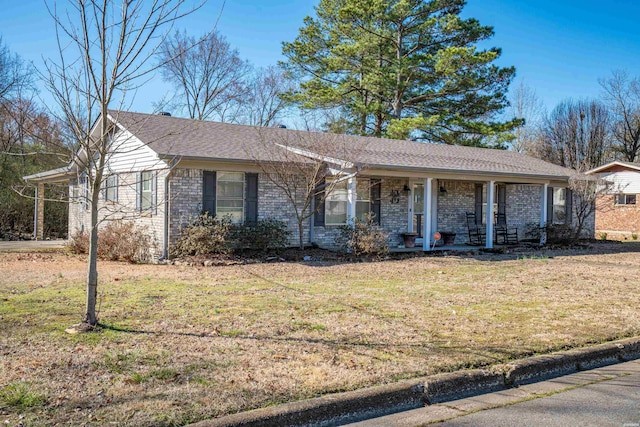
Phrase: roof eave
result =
(469, 172)
(51, 176)
(611, 164)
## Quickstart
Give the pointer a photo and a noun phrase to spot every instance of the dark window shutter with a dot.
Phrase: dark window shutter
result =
(154, 192)
(251, 198)
(376, 199)
(209, 192)
(139, 191)
(318, 216)
(478, 204)
(569, 205)
(502, 199)
(549, 205)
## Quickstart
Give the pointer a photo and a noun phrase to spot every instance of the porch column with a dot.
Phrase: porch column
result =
(426, 225)
(545, 203)
(38, 217)
(489, 219)
(351, 199)
(543, 214)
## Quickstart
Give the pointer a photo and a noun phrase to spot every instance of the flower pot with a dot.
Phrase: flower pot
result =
(409, 239)
(448, 238)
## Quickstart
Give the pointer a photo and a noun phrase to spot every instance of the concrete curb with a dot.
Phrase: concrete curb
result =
(352, 406)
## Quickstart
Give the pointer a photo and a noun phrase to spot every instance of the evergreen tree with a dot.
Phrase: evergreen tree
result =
(401, 69)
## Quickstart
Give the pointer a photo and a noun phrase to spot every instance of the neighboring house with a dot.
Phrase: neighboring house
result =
(617, 208)
(167, 170)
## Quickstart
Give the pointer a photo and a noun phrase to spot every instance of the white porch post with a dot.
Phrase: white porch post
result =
(351, 199)
(543, 215)
(426, 225)
(489, 219)
(545, 202)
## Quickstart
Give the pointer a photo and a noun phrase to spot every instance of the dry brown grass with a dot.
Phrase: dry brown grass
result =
(185, 343)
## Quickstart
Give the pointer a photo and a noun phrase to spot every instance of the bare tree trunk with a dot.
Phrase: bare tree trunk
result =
(301, 232)
(90, 315)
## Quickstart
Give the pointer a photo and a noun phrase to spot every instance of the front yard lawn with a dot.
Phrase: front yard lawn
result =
(180, 344)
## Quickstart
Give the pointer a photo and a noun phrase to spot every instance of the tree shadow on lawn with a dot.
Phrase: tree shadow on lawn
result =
(490, 354)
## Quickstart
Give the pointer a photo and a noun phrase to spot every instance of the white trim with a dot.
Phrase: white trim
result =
(614, 163)
(489, 218)
(342, 163)
(427, 195)
(352, 199)
(545, 202)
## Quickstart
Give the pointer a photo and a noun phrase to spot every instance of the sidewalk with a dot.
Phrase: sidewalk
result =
(30, 245)
(608, 396)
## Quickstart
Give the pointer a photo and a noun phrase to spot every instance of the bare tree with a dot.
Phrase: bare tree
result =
(105, 48)
(576, 135)
(306, 167)
(622, 95)
(14, 73)
(264, 104)
(586, 190)
(525, 104)
(209, 79)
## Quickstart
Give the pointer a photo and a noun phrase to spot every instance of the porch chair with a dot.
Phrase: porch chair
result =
(503, 234)
(477, 232)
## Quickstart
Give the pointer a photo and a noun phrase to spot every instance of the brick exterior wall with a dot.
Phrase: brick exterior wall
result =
(616, 219)
(523, 207)
(185, 199)
(453, 206)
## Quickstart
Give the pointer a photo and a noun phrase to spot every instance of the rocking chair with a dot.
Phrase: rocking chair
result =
(477, 232)
(504, 234)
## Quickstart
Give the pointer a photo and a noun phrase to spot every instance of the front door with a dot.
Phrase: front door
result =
(416, 208)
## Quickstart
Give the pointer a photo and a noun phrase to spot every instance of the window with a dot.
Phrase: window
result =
(230, 195)
(559, 206)
(336, 203)
(83, 184)
(111, 189)
(146, 190)
(363, 199)
(625, 199)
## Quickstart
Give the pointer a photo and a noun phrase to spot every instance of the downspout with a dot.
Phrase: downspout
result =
(167, 206)
(312, 221)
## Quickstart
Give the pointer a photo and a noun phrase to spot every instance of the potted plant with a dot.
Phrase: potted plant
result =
(448, 238)
(409, 239)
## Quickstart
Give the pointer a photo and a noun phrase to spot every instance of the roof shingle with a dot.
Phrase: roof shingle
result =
(178, 137)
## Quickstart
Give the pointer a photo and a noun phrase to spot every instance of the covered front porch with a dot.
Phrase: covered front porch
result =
(436, 211)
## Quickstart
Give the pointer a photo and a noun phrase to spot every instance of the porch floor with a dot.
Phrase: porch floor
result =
(440, 248)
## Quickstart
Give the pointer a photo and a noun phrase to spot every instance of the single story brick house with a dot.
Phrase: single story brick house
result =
(168, 169)
(617, 208)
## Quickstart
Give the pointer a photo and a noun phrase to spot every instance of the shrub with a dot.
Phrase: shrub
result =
(265, 235)
(117, 241)
(204, 235)
(363, 238)
(79, 242)
(603, 236)
(124, 241)
(559, 234)
(634, 236)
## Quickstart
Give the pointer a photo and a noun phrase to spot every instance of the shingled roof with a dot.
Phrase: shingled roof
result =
(185, 138)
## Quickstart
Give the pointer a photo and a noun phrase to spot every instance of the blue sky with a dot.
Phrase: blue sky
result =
(560, 48)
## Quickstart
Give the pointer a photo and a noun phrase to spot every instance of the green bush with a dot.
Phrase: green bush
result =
(117, 241)
(363, 238)
(204, 235)
(266, 234)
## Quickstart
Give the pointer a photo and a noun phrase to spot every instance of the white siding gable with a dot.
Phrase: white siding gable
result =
(624, 181)
(129, 154)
